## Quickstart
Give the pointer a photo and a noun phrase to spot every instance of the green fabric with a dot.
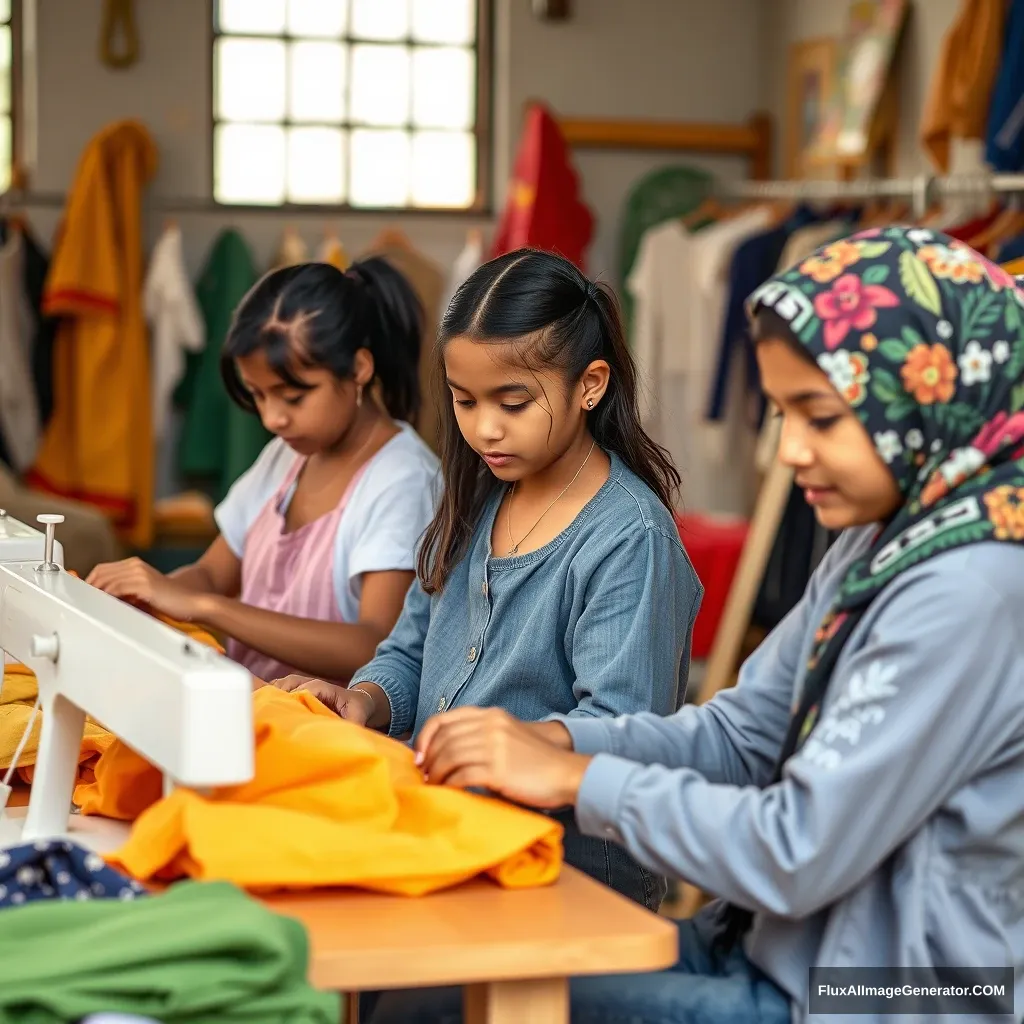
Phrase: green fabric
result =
(219, 441)
(659, 196)
(202, 952)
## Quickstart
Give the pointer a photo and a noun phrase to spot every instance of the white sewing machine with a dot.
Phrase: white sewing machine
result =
(181, 705)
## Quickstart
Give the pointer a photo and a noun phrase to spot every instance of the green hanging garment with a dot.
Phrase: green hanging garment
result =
(200, 953)
(659, 196)
(219, 441)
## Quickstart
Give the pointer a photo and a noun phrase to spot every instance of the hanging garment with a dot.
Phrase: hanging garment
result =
(669, 193)
(330, 804)
(1014, 267)
(44, 330)
(98, 446)
(1004, 148)
(333, 252)
(961, 89)
(174, 319)
(468, 260)
(679, 291)
(544, 208)
(219, 441)
(292, 249)
(20, 422)
(59, 870)
(290, 572)
(428, 281)
(200, 953)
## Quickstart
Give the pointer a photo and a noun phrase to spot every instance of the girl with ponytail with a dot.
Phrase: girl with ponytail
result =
(317, 543)
(551, 583)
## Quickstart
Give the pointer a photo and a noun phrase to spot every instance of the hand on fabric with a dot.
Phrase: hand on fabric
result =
(488, 748)
(353, 705)
(134, 581)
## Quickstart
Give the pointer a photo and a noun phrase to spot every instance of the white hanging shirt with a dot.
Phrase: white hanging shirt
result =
(679, 283)
(176, 324)
(19, 410)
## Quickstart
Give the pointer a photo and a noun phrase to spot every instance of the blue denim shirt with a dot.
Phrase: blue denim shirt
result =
(597, 623)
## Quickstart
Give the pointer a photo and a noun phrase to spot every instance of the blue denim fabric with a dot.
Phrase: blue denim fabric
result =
(596, 623)
(700, 989)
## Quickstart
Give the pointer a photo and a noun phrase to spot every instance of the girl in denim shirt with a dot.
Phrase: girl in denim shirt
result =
(551, 582)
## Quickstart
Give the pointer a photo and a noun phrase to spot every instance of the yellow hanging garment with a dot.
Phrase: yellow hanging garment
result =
(98, 446)
(330, 804)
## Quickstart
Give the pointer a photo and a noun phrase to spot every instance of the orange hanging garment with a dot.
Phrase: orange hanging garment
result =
(961, 89)
(98, 445)
(331, 804)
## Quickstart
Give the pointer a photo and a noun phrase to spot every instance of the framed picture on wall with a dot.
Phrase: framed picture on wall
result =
(809, 90)
(866, 68)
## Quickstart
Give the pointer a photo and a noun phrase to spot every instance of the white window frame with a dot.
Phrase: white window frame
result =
(481, 129)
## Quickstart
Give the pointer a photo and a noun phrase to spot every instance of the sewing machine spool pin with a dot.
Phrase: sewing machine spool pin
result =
(50, 521)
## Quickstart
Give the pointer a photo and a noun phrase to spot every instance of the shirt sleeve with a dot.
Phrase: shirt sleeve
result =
(735, 737)
(631, 641)
(397, 665)
(250, 493)
(886, 754)
(391, 524)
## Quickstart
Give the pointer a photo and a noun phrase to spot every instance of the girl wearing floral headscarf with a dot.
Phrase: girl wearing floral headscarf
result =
(857, 799)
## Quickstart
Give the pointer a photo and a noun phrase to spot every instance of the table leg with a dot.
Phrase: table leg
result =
(351, 1008)
(537, 1000)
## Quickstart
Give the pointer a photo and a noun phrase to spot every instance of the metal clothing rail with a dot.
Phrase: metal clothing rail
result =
(921, 190)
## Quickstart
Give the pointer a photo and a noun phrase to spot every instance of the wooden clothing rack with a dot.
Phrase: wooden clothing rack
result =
(752, 140)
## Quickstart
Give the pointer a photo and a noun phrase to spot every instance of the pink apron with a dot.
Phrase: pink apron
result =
(291, 573)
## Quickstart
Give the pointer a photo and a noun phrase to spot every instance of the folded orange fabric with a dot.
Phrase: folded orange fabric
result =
(331, 804)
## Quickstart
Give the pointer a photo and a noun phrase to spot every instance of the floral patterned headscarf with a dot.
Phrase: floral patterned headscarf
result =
(924, 338)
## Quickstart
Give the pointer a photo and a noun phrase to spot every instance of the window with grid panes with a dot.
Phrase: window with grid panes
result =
(6, 91)
(365, 103)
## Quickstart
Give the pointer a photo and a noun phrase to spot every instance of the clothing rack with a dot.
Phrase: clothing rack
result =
(921, 190)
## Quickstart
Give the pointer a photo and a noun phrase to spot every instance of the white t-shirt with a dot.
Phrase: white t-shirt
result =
(380, 529)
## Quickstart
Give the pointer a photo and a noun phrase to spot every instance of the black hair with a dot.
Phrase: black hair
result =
(313, 314)
(560, 320)
(767, 325)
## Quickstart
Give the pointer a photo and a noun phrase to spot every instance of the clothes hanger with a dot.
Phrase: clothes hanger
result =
(1005, 226)
(392, 238)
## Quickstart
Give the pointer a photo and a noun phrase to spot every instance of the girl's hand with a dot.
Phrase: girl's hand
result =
(352, 705)
(134, 581)
(488, 748)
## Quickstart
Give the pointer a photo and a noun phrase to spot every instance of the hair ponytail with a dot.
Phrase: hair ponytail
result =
(312, 314)
(394, 334)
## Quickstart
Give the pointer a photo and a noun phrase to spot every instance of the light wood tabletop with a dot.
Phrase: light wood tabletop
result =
(513, 950)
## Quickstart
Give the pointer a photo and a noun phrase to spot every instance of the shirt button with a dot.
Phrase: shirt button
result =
(472, 654)
(441, 704)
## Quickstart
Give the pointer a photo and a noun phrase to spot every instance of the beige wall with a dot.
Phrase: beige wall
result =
(673, 59)
(797, 20)
(632, 58)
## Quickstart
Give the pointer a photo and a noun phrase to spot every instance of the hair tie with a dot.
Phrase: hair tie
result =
(592, 291)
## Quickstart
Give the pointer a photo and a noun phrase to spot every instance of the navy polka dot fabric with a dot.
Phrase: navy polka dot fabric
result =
(59, 870)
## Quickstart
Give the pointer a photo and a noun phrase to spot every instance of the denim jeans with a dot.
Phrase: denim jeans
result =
(611, 865)
(700, 989)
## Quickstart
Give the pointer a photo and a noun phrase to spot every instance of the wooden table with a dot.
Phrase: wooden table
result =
(513, 951)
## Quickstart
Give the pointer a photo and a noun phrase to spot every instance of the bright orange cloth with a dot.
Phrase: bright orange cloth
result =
(1015, 267)
(98, 446)
(961, 89)
(331, 804)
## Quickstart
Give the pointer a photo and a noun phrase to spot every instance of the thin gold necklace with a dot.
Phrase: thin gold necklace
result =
(508, 515)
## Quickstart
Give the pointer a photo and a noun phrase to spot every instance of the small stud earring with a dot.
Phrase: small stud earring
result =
(590, 403)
